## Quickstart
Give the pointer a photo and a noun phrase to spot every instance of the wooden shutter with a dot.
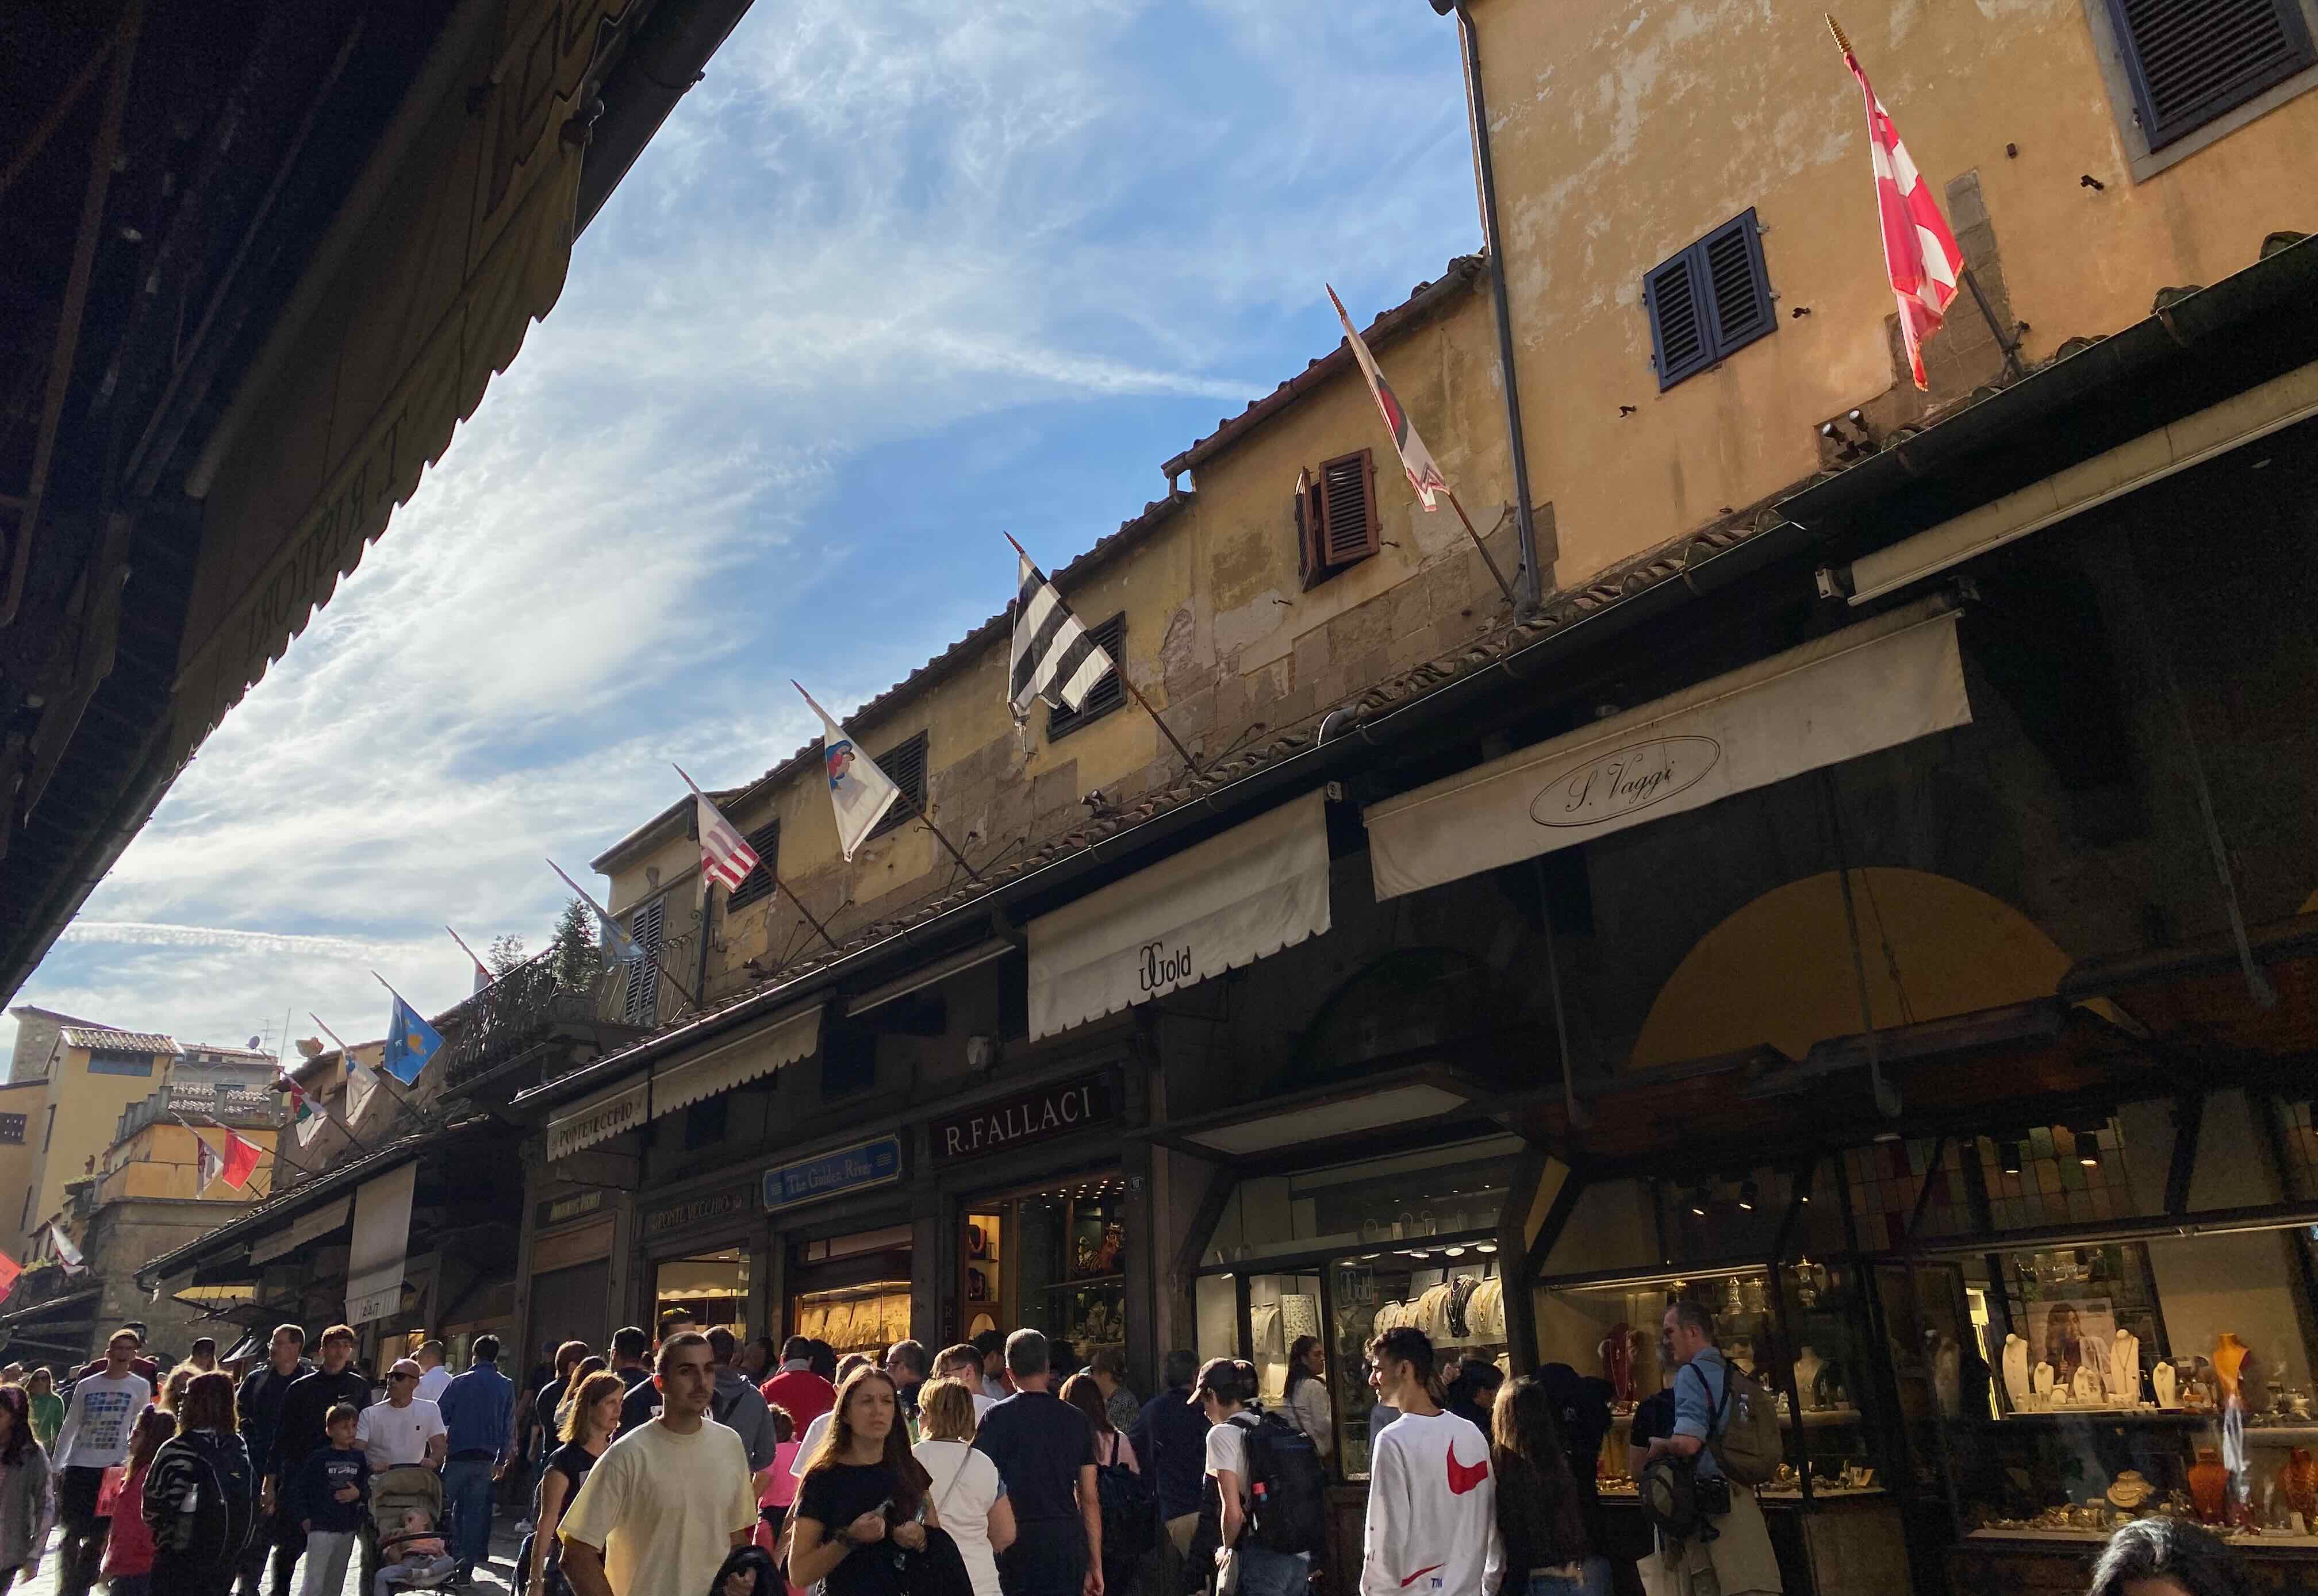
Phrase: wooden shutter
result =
(1349, 531)
(1737, 291)
(1106, 694)
(1709, 301)
(905, 767)
(643, 1005)
(765, 840)
(1311, 563)
(2190, 60)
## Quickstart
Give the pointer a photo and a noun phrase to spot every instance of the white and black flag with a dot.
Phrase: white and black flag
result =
(1054, 658)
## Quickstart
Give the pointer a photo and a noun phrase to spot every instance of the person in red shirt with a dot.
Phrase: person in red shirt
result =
(805, 1394)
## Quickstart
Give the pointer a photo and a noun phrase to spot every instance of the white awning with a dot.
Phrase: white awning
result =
(599, 1120)
(382, 1241)
(760, 1053)
(1874, 686)
(1255, 889)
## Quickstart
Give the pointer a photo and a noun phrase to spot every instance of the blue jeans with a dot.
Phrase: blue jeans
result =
(1271, 1573)
(1593, 1581)
(467, 1493)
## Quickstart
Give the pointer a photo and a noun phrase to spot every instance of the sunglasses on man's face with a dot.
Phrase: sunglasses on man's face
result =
(403, 1377)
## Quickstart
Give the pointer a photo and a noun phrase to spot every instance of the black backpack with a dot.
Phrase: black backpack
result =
(202, 1492)
(1130, 1513)
(1287, 1487)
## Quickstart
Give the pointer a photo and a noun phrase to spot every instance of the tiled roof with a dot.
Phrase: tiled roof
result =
(124, 1040)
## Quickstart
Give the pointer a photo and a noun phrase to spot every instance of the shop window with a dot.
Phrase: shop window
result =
(2189, 64)
(1106, 694)
(1336, 524)
(765, 842)
(1710, 300)
(703, 1292)
(904, 765)
(2301, 1148)
(1051, 1260)
(853, 1291)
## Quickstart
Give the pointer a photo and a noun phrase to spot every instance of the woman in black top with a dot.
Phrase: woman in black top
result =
(590, 1420)
(861, 1510)
(1539, 1513)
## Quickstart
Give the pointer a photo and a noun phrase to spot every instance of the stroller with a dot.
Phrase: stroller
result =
(407, 1505)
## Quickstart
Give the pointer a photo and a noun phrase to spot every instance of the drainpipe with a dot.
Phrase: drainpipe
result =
(1527, 582)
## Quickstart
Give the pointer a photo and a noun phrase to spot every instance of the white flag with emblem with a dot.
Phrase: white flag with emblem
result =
(67, 1254)
(209, 1163)
(858, 791)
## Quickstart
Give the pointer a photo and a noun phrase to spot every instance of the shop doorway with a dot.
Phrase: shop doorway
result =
(853, 1291)
(1050, 1259)
(702, 1293)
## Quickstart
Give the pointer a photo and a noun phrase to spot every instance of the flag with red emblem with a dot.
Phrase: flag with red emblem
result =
(1919, 252)
(1415, 459)
(208, 1164)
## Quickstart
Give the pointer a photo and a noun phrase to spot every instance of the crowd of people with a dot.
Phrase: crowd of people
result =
(695, 1463)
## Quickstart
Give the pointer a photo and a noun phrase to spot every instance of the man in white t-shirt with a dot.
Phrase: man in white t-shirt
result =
(963, 1363)
(1431, 1526)
(405, 1428)
(670, 1499)
(433, 1375)
(95, 1437)
(1223, 1388)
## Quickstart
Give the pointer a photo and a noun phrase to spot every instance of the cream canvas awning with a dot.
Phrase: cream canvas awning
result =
(381, 1242)
(785, 1040)
(1870, 687)
(1255, 889)
(599, 1120)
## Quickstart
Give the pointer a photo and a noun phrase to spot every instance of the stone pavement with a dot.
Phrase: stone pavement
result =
(492, 1580)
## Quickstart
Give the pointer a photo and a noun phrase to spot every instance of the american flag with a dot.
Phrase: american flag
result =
(725, 856)
(1415, 459)
(1919, 252)
(1054, 658)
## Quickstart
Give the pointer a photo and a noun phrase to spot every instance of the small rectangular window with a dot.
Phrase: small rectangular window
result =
(2191, 63)
(12, 1129)
(704, 1122)
(1713, 298)
(642, 1007)
(765, 841)
(114, 1061)
(1336, 523)
(904, 765)
(1106, 694)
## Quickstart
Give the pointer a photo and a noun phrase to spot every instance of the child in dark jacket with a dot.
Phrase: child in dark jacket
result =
(325, 1500)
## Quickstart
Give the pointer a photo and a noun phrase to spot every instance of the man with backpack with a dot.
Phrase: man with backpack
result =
(1270, 1511)
(737, 1404)
(1431, 1526)
(1726, 1440)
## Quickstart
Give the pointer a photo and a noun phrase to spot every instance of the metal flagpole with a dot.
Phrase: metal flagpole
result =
(603, 914)
(1488, 560)
(766, 865)
(1118, 669)
(470, 952)
(918, 810)
(783, 888)
(346, 1057)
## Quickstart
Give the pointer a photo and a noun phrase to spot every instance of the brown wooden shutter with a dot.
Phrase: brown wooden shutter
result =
(1311, 563)
(1349, 530)
(766, 840)
(905, 767)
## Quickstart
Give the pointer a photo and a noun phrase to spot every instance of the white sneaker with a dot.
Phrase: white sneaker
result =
(523, 1526)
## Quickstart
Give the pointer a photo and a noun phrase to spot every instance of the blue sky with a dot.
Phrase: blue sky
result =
(897, 275)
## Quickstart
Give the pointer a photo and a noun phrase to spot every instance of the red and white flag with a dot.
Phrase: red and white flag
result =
(1415, 459)
(1919, 250)
(67, 1254)
(241, 1159)
(9, 1269)
(208, 1165)
(725, 856)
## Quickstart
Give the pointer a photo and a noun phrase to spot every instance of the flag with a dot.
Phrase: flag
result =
(858, 791)
(618, 946)
(305, 1116)
(241, 1159)
(1054, 658)
(1919, 253)
(362, 1080)
(410, 1041)
(9, 1269)
(1415, 459)
(725, 856)
(67, 1254)
(208, 1166)
(483, 976)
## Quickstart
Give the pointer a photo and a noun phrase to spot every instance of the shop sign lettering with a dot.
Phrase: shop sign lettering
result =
(699, 1210)
(1032, 1117)
(849, 1169)
(1617, 784)
(557, 1210)
(1164, 967)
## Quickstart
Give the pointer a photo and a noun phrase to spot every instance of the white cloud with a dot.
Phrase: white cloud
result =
(874, 223)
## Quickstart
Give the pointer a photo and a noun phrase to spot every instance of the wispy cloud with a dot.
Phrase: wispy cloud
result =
(897, 274)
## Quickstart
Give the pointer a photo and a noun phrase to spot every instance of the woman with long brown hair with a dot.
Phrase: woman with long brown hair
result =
(591, 1417)
(863, 1494)
(1539, 1513)
(197, 1534)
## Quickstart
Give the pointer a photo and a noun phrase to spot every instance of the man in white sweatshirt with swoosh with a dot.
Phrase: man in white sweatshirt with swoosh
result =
(1432, 1525)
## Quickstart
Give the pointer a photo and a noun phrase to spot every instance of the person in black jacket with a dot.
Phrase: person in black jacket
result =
(1170, 1438)
(301, 1431)
(260, 1405)
(198, 1498)
(327, 1497)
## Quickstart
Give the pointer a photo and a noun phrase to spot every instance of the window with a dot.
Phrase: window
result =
(1106, 694)
(848, 1060)
(2189, 64)
(1710, 299)
(115, 1061)
(643, 1005)
(704, 1122)
(765, 842)
(12, 1129)
(1336, 516)
(905, 767)
(50, 1135)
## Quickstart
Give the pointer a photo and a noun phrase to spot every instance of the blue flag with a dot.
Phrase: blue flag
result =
(410, 1042)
